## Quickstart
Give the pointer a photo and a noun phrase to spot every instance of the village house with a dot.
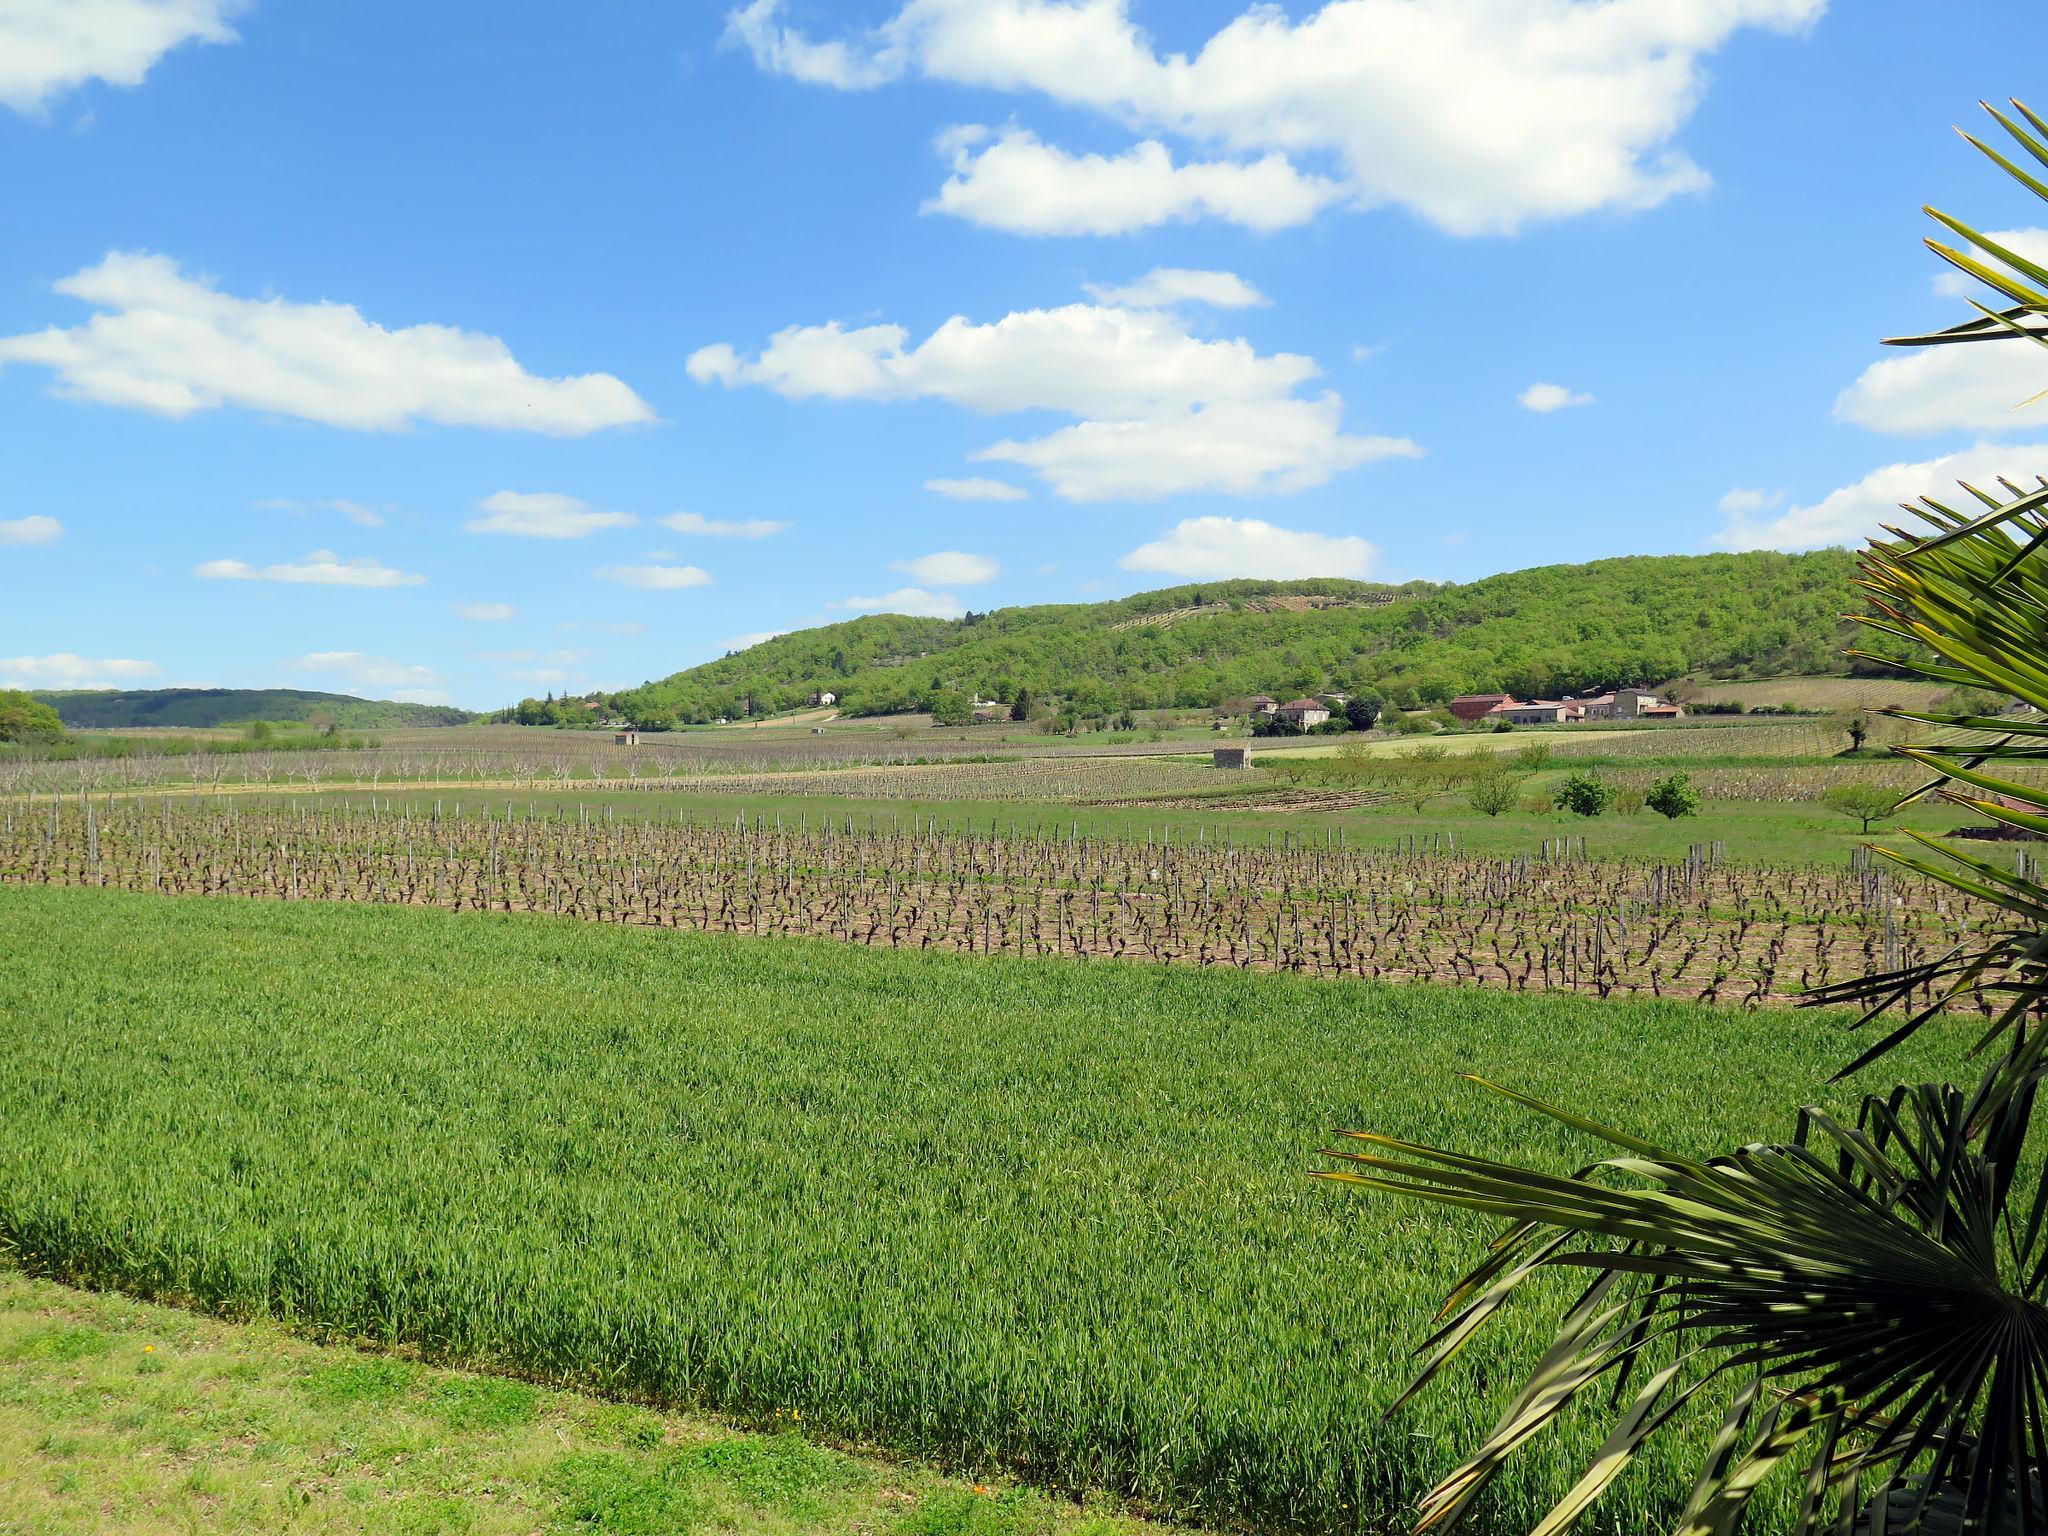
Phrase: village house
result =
(1538, 712)
(1260, 704)
(1306, 713)
(1630, 704)
(824, 698)
(1472, 706)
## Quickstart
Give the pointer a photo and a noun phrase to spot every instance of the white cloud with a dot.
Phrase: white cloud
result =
(1479, 115)
(1164, 287)
(356, 512)
(1855, 512)
(975, 488)
(948, 568)
(656, 578)
(34, 529)
(914, 601)
(1742, 502)
(322, 568)
(749, 641)
(49, 46)
(360, 672)
(485, 613)
(167, 343)
(716, 528)
(1017, 184)
(543, 515)
(1161, 410)
(1084, 359)
(1239, 448)
(1987, 386)
(1952, 282)
(64, 670)
(1247, 546)
(1545, 398)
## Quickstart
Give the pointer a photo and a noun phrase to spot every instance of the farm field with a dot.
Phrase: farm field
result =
(977, 1209)
(121, 1418)
(1699, 929)
(1824, 692)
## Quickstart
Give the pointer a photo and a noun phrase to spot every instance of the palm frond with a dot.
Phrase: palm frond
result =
(1874, 1291)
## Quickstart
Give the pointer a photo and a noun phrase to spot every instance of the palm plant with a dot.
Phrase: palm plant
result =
(1866, 1301)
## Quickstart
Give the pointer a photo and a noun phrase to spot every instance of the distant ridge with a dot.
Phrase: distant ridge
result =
(114, 709)
(1558, 628)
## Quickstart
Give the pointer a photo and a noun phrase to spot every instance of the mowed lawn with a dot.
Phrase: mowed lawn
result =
(119, 1418)
(1042, 1217)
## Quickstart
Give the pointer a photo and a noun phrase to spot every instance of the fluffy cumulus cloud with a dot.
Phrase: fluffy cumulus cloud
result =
(543, 515)
(173, 344)
(656, 578)
(64, 670)
(1236, 447)
(1161, 410)
(322, 568)
(1989, 386)
(33, 529)
(1545, 398)
(948, 568)
(485, 613)
(360, 672)
(975, 488)
(914, 601)
(1164, 287)
(1012, 182)
(1206, 547)
(1479, 115)
(1855, 512)
(49, 46)
(720, 528)
(747, 642)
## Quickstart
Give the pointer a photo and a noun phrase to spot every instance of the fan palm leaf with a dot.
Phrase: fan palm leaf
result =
(1866, 1298)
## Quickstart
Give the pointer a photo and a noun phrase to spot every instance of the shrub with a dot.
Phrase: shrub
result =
(23, 718)
(1584, 794)
(1673, 797)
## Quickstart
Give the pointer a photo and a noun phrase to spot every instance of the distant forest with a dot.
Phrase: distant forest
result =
(1555, 629)
(198, 708)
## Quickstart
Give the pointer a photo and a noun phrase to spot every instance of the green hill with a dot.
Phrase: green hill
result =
(196, 708)
(1536, 632)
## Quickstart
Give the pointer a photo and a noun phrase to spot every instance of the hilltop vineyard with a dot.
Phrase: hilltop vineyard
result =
(1551, 920)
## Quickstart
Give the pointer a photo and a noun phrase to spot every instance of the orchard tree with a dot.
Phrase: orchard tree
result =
(1673, 797)
(1584, 794)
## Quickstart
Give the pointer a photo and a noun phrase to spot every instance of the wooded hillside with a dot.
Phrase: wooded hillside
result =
(1553, 629)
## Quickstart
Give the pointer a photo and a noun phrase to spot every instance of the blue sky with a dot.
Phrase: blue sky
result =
(464, 351)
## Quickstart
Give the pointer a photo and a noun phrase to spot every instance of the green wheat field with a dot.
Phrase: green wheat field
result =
(1042, 1218)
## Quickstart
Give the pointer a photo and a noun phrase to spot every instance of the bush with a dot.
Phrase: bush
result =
(1534, 757)
(1673, 797)
(1584, 794)
(23, 718)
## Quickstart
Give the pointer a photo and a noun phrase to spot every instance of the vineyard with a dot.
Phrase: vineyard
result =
(1551, 920)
